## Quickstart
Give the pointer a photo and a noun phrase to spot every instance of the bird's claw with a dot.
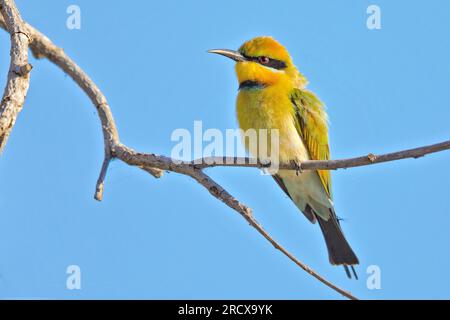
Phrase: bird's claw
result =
(297, 166)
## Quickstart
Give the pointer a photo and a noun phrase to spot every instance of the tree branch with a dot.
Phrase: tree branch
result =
(324, 164)
(18, 79)
(43, 47)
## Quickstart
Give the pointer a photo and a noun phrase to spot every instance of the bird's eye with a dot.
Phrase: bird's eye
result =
(263, 60)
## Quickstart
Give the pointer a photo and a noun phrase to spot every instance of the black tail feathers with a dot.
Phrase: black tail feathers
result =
(347, 272)
(339, 251)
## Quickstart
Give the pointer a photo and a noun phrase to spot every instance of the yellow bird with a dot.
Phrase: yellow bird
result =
(273, 95)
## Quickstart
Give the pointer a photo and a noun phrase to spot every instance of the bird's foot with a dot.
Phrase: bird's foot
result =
(297, 166)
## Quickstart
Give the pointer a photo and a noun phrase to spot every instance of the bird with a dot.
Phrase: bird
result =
(272, 94)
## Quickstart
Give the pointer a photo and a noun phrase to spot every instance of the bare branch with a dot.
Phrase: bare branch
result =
(324, 164)
(43, 47)
(166, 163)
(18, 76)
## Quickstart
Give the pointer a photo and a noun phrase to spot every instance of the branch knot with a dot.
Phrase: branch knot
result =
(22, 70)
(372, 157)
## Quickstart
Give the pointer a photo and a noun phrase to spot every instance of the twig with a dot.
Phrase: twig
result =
(101, 178)
(325, 164)
(18, 76)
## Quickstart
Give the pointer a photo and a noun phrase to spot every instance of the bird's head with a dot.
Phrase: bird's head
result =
(263, 61)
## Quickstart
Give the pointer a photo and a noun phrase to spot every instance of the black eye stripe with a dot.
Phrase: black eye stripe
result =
(273, 63)
(276, 64)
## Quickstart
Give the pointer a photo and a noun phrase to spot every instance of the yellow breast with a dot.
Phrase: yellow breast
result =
(270, 108)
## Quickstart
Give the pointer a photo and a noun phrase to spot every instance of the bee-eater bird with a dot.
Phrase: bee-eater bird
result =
(273, 95)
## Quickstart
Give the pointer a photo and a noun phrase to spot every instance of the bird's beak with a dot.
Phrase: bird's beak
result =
(236, 56)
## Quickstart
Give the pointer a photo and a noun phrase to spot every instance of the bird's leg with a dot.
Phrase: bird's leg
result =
(297, 166)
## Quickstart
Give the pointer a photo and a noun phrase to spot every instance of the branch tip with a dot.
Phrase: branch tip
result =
(99, 187)
(156, 173)
(99, 192)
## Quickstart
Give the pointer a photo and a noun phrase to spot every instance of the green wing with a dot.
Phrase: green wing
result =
(311, 122)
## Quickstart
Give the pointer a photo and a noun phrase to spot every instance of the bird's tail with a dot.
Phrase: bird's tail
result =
(339, 251)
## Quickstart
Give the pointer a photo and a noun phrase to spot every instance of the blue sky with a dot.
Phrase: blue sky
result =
(385, 90)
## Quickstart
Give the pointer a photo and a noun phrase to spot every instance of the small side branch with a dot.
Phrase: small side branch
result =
(101, 178)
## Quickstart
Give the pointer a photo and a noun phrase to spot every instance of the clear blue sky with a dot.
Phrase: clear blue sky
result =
(385, 90)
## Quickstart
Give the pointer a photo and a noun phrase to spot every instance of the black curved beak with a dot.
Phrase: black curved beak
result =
(234, 55)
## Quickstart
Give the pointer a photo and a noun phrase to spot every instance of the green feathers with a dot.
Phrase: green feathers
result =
(311, 122)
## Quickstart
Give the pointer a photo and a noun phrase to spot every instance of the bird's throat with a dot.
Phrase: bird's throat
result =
(251, 85)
